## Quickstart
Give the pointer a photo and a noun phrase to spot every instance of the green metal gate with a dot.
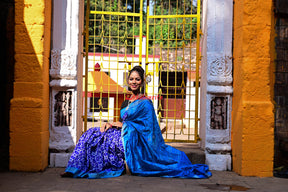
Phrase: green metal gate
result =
(161, 36)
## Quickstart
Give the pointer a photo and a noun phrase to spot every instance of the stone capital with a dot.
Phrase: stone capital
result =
(69, 83)
(63, 64)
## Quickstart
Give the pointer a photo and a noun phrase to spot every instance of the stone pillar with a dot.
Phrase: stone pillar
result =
(253, 82)
(216, 83)
(29, 107)
(66, 80)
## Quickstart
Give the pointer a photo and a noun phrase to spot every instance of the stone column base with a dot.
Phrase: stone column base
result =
(218, 162)
(59, 159)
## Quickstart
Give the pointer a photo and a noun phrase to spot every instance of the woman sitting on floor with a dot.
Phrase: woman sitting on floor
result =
(136, 139)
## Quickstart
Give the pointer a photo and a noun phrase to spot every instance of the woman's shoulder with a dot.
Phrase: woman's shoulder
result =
(147, 100)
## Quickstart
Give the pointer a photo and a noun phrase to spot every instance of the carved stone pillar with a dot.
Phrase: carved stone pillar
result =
(216, 83)
(66, 80)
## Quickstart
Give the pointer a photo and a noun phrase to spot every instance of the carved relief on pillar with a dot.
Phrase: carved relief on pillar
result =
(218, 118)
(219, 69)
(63, 108)
(219, 91)
(63, 64)
(62, 120)
(221, 66)
(218, 132)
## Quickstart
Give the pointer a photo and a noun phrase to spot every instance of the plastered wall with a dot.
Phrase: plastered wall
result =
(29, 113)
(252, 108)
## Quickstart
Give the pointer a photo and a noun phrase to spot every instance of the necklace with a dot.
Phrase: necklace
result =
(133, 98)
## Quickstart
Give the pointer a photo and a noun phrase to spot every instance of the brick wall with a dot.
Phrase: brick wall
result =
(281, 84)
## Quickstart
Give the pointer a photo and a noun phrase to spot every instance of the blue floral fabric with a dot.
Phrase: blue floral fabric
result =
(98, 155)
(146, 153)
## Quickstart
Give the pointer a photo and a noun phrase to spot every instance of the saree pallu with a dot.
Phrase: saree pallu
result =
(98, 155)
(146, 153)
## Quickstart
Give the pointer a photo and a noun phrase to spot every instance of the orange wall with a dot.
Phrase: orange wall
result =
(29, 114)
(252, 108)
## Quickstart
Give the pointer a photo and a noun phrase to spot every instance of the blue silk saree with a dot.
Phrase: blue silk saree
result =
(146, 153)
(140, 143)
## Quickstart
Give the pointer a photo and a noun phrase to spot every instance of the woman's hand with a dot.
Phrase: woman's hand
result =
(107, 126)
(117, 124)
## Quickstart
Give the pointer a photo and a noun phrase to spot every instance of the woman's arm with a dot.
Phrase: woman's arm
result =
(117, 124)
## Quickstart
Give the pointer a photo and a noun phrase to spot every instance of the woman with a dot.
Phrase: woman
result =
(137, 138)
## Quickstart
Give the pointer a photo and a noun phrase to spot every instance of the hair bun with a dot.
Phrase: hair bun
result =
(139, 70)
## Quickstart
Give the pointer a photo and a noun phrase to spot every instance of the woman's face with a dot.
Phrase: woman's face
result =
(134, 81)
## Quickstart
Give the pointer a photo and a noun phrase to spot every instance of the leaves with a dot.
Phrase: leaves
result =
(117, 31)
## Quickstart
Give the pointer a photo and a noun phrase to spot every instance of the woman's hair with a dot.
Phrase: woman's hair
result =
(141, 73)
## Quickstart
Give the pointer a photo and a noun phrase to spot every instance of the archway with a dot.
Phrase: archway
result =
(216, 75)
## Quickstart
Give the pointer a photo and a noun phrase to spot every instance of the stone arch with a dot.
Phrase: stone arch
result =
(216, 78)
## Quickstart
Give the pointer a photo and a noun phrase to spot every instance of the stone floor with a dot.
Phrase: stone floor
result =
(50, 181)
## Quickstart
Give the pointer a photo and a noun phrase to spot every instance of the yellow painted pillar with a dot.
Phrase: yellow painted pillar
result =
(29, 113)
(252, 108)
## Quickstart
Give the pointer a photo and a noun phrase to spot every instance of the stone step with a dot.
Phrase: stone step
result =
(192, 150)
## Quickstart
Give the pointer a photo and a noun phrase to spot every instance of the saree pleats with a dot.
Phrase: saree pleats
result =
(146, 153)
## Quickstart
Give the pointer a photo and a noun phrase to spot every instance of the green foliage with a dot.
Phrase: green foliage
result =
(172, 32)
(113, 32)
(108, 30)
